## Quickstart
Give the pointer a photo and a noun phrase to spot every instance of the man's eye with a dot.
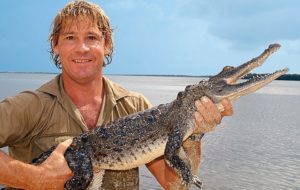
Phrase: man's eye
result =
(92, 37)
(70, 37)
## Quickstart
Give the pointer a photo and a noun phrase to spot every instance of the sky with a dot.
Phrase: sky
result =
(162, 37)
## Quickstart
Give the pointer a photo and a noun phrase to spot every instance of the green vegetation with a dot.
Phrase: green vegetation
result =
(295, 77)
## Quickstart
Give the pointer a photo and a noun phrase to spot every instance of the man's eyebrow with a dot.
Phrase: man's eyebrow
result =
(94, 33)
(89, 33)
(67, 33)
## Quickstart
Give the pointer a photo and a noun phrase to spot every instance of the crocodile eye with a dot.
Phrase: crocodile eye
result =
(155, 112)
(188, 87)
(150, 119)
(179, 95)
(220, 90)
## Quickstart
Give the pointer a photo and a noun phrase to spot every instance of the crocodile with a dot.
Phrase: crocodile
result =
(139, 138)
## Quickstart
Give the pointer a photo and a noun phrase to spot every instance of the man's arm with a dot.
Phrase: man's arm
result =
(207, 117)
(166, 176)
(51, 174)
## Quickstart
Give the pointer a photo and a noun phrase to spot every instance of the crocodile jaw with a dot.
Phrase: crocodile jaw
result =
(224, 85)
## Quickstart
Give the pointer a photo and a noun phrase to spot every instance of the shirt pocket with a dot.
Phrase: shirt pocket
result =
(44, 142)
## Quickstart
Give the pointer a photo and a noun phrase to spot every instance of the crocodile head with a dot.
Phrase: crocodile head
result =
(226, 85)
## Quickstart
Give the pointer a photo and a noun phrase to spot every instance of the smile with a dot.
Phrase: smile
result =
(81, 61)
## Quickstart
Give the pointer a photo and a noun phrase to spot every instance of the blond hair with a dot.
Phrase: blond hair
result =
(72, 11)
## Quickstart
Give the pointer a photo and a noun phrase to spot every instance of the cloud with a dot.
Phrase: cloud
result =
(182, 38)
(193, 37)
(250, 22)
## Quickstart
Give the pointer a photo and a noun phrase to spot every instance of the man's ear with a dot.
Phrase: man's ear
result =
(55, 50)
(107, 47)
(106, 50)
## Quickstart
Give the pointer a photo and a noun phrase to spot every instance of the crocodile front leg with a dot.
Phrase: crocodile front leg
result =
(78, 161)
(177, 159)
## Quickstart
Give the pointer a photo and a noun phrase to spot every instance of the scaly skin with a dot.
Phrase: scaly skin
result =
(140, 138)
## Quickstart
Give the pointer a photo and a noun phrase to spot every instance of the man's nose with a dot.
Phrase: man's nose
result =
(82, 46)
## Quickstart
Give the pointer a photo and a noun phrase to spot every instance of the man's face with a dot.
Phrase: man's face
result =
(81, 49)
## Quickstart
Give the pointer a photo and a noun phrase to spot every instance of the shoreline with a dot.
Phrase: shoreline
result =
(286, 77)
(150, 75)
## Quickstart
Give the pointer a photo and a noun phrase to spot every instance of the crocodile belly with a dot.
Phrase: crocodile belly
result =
(135, 156)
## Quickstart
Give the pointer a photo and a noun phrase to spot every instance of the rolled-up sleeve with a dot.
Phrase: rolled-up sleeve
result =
(143, 103)
(18, 115)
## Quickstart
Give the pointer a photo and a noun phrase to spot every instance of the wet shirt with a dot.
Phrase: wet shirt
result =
(33, 121)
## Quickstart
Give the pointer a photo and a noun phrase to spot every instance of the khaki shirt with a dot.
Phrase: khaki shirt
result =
(33, 121)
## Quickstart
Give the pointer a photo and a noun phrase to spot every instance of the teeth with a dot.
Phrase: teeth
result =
(81, 60)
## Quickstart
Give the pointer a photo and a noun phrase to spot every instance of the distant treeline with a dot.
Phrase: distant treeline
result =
(283, 77)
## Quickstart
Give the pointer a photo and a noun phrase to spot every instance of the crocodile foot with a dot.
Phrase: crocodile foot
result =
(196, 180)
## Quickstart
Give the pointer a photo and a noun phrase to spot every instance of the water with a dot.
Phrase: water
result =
(257, 148)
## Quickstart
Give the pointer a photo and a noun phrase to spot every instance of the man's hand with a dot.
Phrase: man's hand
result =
(207, 116)
(54, 170)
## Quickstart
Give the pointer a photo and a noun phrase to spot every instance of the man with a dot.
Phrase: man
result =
(78, 100)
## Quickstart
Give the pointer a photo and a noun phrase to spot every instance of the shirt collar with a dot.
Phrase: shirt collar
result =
(113, 93)
(55, 88)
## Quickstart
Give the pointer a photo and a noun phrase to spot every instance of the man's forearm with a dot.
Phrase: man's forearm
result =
(192, 148)
(16, 174)
(51, 174)
(166, 176)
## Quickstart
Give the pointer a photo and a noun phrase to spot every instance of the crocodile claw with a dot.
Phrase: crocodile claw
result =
(196, 180)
